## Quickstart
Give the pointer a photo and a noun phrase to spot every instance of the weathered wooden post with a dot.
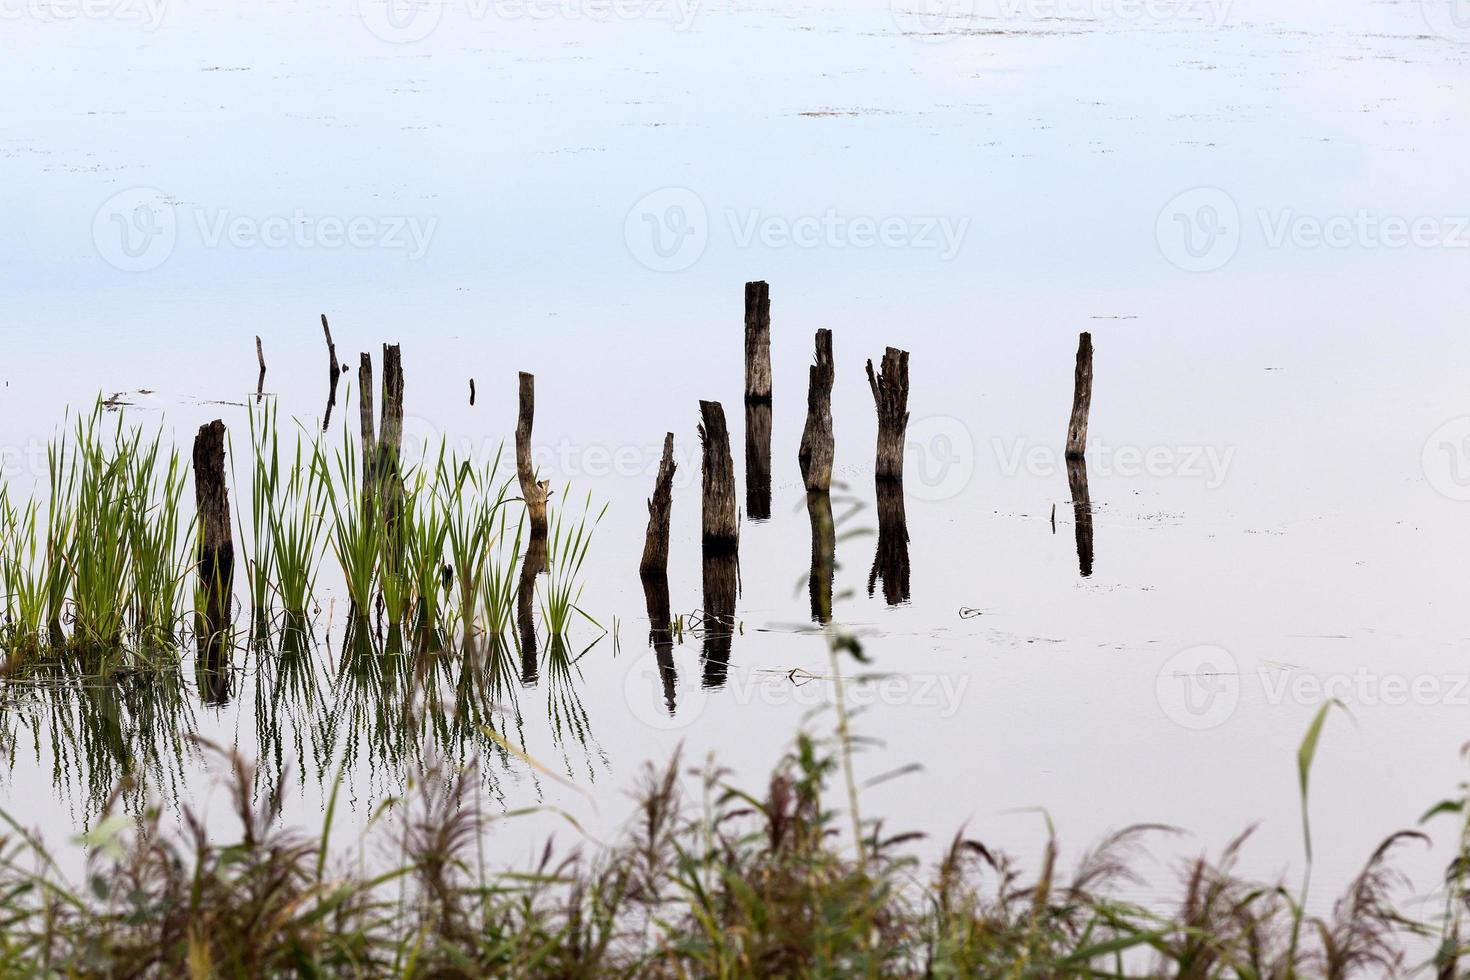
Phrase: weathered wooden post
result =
(260, 382)
(1081, 399)
(891, 560)
(758, 460)
(533, 492)
(824, 555)
(216, 555)
(720, 518)
(1081, 513)
(757, 342)
(472, 393)
(387, 475)
(369, 439)
(656, 544)
(891, 396)
(817, 445)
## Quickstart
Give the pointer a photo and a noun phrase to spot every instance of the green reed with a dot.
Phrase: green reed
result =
(265, 481)
(568, 541)
(354, 533)
(296, 526)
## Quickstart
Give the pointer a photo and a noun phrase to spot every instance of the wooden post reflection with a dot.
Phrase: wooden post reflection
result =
(661, 634)
(1081, 513)
(891, 562)
(721, 585)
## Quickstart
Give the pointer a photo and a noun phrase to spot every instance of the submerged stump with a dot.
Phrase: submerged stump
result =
(660, 505)
(890, 388)
(533, 492)
(817, 443)
(721, 523)
(216, 553)
(757, 342)
(1081, 399)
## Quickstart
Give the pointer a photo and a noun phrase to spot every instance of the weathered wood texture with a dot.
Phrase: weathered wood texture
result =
(1081, 513)
(891, 560)
(216, 555)
(817, 443)
(891, 396)
(532, 491)
(758, 461)
(721, 523)
(387, 473)
(660, 505)
(366, 424)
(757, 341)
(1081, 399)
(824, 555)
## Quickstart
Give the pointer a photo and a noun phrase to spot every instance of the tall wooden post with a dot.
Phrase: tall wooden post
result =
(757, 342)
(720, 518)
(369, 439)
(216, 555)
(817, 444)
(891, 396)
(1081, 399)
(260, 382)
(532, 491)
(656, 544)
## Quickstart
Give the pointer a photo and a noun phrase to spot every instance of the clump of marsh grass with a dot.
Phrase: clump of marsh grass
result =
(568, 541)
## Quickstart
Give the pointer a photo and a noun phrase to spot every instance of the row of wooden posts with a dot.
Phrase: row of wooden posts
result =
(889, 385)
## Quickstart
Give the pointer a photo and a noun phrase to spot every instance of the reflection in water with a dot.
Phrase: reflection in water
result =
(758, 460)
(824, 555)
(124, 733)
(1081, 513)
(533, 564)
(661, 633)
(721, 585)
(212, 668)
(891, 562)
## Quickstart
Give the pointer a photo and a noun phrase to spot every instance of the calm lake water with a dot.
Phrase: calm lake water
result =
(1256, 208)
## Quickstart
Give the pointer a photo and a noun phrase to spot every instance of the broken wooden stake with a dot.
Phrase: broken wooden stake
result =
(891, 396)
(817, 445)
(656, 545)
(1081, 399)
(365, 423)
(532, 491)
(758, 461)
(824, 555)
(1081, 513)
(472, 392)
(757, 341)
(387, 477)
(260, 382)
(720, 518)
(216, 554)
